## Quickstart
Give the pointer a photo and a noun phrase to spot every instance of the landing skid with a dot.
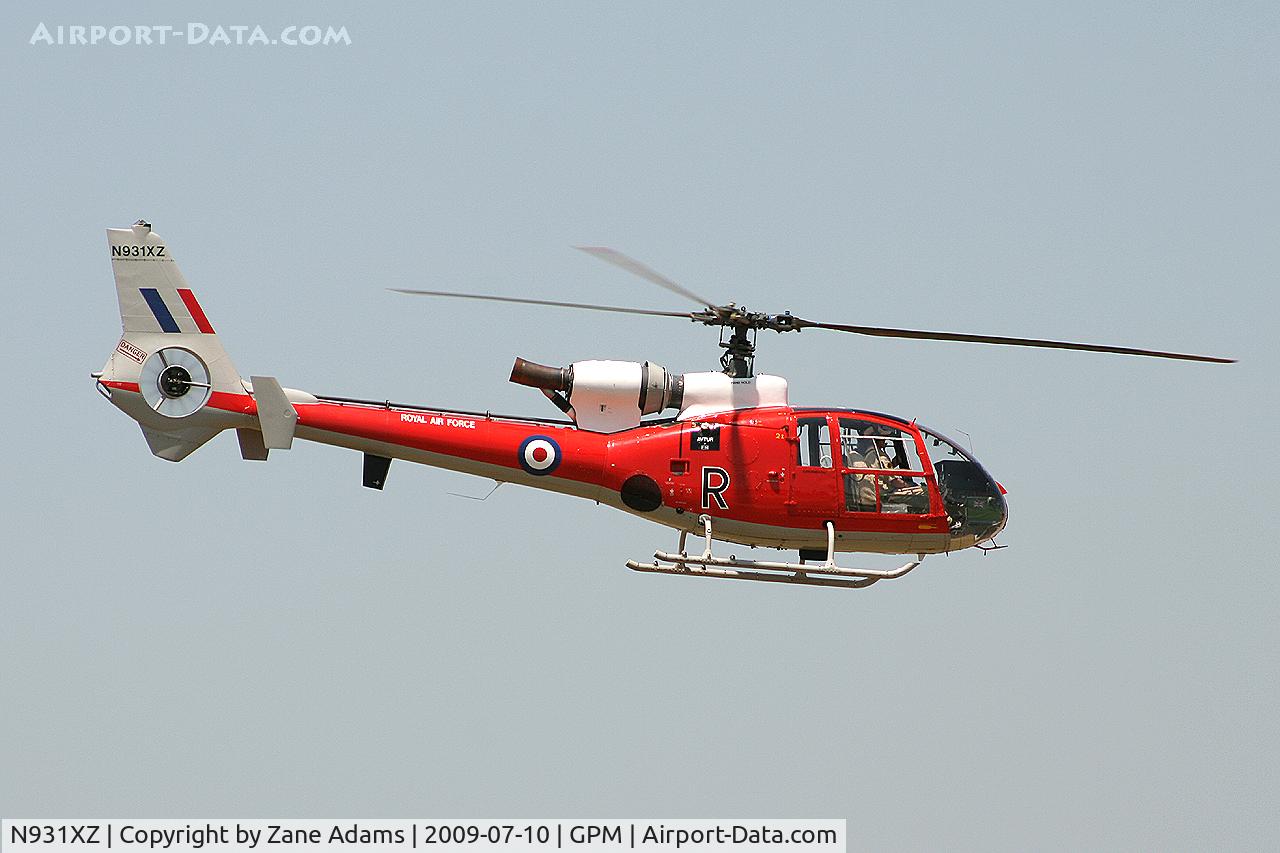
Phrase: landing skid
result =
(707, 565)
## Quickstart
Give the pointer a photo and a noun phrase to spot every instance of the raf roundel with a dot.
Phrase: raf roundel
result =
(539, 455)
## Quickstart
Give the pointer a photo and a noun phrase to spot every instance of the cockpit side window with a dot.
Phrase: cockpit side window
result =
(814, 443)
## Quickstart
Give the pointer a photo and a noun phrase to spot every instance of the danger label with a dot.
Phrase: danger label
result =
(129, 350)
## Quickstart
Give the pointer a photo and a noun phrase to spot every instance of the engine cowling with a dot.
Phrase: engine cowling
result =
(610, 396)
(604, 396)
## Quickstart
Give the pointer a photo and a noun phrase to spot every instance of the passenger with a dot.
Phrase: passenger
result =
(852, 453)
(864, 489)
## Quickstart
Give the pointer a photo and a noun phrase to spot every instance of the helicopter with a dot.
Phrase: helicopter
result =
(721, 455)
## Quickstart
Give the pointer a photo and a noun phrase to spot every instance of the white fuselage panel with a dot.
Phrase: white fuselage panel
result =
(708, 393)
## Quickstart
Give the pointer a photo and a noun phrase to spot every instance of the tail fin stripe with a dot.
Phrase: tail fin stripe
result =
(158, 308)
(197, 313)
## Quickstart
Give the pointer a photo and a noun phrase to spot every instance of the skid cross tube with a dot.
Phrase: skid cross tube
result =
(707, 565)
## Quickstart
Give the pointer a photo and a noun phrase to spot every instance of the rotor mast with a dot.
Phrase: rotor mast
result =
(739, 355)
(738, 359)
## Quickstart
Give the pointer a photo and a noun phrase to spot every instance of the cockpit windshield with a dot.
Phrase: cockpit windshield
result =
(975, 507)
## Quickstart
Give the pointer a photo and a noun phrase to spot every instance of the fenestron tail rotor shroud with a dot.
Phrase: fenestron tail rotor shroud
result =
(174, 382)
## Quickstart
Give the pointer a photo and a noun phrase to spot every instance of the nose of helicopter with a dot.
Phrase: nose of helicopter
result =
(992, 512)
(1001, 507)
(974, 500)
(983, 515)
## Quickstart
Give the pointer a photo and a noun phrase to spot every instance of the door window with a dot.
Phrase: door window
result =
(815, 443)
(882, 470)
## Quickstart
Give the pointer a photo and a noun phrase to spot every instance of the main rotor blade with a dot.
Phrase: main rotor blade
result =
(584, 305)
(631, 265)
(997, 339)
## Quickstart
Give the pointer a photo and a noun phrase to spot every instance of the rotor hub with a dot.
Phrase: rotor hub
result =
(174, 381)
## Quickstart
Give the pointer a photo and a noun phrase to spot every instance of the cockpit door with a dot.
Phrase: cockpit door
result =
(881, 470)
(814, 478)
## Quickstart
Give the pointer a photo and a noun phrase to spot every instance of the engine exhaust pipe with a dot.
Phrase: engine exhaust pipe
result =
(540, 376)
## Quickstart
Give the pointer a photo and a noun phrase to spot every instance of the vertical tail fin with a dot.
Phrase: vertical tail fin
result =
(158, 308)
(169, 361)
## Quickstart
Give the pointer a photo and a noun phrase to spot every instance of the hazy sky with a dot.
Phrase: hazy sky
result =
(244, 639)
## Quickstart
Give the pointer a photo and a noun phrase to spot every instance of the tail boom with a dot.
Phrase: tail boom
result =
(170, 373)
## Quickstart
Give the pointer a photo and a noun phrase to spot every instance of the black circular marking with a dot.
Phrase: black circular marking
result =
(174, 381)
(641, 493)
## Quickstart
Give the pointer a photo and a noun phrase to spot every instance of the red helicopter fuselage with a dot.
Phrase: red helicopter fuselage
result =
(767, 476)
(770, 476)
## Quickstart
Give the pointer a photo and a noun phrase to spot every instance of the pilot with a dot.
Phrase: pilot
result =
(882, 441)
(876, 456)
